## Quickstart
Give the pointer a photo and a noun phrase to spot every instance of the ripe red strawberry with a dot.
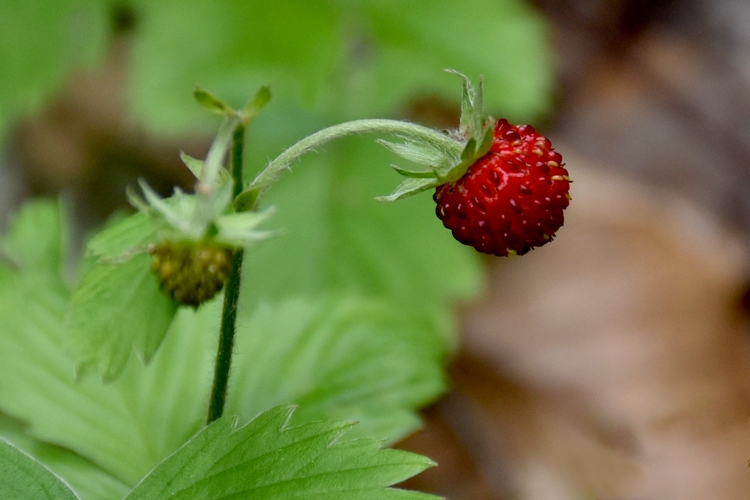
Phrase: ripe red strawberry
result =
(511, 199)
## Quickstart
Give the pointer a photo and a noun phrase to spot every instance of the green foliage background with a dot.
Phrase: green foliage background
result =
(347, 314)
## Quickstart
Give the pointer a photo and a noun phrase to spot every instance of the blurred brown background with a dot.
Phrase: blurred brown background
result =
(630, 380)
(613, 364)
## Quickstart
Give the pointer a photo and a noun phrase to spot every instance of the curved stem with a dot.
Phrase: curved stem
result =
(273, 170)
(231, 297)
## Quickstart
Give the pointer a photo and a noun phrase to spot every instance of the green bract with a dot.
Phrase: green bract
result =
(208, 213)
(119, 306)
(187, 217)
(474, 135)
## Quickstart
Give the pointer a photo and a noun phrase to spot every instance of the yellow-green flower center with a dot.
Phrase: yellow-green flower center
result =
(190, 273)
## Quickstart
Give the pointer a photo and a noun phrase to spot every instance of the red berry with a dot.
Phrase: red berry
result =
(511, 199)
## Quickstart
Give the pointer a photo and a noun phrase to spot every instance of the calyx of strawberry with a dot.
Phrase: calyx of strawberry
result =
(474, 138)
(206, 217)
(194, 239)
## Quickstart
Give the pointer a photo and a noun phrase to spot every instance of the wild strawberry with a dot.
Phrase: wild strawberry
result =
(190, 273)
(499, 188)
(511, 199)
(194, 236)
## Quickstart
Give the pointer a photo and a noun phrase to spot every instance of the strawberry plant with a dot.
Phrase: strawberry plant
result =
(265, 335)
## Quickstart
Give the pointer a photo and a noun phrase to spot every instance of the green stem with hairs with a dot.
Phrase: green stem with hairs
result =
(231, 296)
(249, 199)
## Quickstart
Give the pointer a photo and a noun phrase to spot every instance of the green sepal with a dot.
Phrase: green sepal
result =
(173, 215)
(487, 138)
(458, 171)
(469, 155)
(195, 165)
(410, 187)
(469, 150)
(254, 105)
(212, 103)
(239, 229)
(473, 116)
(246, 200)
(478, 116)
(476, 129)
(424, 174)
(419, 152)
(208, 206)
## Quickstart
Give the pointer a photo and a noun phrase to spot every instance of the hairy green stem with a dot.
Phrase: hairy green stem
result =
(238, 145)
(226, 339)
(408, 130)
(231, 297)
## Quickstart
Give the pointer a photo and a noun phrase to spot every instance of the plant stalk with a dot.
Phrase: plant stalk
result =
(231, 296)
(238, 146)
(408, 130)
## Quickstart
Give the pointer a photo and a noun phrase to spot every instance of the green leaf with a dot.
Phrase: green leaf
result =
(125, 427)
(128, 426)
(257, 103)
(35, 237)
(41, 43)
(120, 238)
(267, 459)
(211, 102)
(22, 477)
(338, 358)
(114, 310)
(85, 478)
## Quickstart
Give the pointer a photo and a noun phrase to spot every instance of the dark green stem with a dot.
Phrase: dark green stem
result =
(226, 340)
(238, 145)
(231, 298)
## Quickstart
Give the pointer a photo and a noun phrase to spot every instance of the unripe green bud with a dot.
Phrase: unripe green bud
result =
(190, 273)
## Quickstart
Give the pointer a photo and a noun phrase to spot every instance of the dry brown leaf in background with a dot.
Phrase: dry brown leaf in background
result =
(613, 363)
